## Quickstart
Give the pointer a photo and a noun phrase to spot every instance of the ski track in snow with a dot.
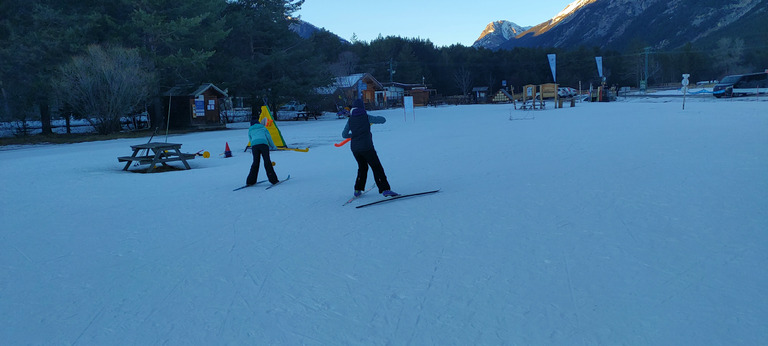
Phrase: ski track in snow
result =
(632, 222)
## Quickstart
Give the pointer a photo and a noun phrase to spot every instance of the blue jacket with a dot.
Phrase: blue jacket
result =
(258, 134)
(358, 127)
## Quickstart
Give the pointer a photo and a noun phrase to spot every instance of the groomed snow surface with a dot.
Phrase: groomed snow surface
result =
(632, 222)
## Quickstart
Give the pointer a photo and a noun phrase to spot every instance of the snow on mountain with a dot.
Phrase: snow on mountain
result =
(565, 13)
(505, 28)
(657, 23)
(570, 9)
(498, 32)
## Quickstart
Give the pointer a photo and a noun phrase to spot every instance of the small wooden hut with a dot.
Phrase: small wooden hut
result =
(194, 106)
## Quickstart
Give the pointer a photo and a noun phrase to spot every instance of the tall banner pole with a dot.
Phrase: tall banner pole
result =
(599, 61)
(685, 87)
(601, 88)
(168, 124)
(553, 65)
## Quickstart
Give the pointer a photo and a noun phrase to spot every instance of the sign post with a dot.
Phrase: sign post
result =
(408, 107)
(685, 87)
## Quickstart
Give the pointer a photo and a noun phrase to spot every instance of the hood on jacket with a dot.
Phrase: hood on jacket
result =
(358, 108)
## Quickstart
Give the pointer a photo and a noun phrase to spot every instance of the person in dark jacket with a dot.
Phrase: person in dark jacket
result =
(261, 143)
(358, 128)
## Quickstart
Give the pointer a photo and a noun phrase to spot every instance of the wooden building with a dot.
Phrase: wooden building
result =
(480, 94)
(421, 96)
(191, 106)
(346, 89)
(395, 92)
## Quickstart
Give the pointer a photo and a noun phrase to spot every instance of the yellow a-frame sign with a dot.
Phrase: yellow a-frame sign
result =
(271, 126)
(274, 131)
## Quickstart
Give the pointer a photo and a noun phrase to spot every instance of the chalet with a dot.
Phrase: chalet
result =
(395, 92)
(191, 106)
(345, 90)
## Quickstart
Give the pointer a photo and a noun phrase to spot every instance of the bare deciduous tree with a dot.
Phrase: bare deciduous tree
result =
(463, 79)
(105, 85)
(346, 65)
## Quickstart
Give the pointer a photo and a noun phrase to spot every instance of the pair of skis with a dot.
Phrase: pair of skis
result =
(294, 149)
(389, 199)
(282, 148)
(263, 181)
(384, 200)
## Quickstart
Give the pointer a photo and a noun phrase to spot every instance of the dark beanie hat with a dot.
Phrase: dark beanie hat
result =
(254, 120)
(358, 108)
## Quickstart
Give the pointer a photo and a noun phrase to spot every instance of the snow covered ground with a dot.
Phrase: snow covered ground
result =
(633, 222)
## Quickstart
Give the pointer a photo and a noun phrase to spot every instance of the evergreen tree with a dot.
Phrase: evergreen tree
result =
(264, 59)
(409, 70)
(178, 39)
(40, 37)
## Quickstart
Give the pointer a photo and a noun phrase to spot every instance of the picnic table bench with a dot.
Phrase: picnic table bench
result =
(306, 115)
(161, 154)
(530, 104)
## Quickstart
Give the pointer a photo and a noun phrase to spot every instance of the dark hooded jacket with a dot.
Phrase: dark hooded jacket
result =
(359, 127)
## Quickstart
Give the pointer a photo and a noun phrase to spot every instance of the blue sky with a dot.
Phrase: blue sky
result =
(442, 22)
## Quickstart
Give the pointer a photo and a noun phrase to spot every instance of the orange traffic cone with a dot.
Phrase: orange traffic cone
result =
(227, 152)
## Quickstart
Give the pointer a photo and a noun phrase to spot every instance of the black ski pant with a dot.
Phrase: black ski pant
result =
(365, 159)
(261, 151)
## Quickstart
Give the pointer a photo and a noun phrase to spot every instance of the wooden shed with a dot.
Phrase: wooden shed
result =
(420, 97)
(194, 106)
(345, 90)
(480, 94)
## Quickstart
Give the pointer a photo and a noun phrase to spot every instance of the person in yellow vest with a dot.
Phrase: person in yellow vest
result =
(261, 143)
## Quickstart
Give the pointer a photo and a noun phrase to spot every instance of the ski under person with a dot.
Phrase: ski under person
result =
(358, 128)
(261, 143)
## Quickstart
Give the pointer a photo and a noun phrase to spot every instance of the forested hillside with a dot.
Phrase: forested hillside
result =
(247, 48)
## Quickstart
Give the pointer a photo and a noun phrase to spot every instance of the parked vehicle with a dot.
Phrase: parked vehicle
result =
(740, 85)
(293, 106)
(566, 92)
(290, 110)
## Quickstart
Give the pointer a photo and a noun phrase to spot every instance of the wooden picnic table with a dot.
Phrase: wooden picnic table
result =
(533, 104)
(161, 154)
(306, 115)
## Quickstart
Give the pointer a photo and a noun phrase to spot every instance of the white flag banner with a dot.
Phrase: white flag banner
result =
(408, 107)
(553, 65)
(599, 61)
